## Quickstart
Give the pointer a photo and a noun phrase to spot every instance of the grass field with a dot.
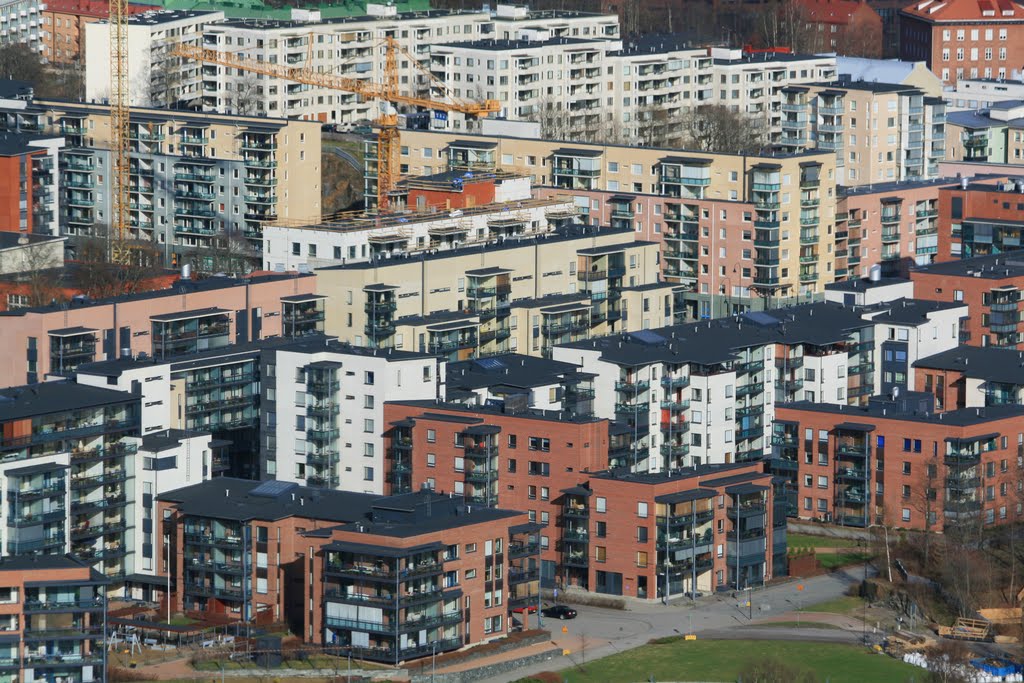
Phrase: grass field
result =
(723, 660)
(794, 624)
(847, 604)
(808, 541)
(833, 560)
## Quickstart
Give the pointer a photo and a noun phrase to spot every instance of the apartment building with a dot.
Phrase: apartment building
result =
(705, 393)
(630, 91)
(54, 613)
(156, 78)
(435, 227)
(324, 434)
(544, 384)
(843, 26)
(891, 225)
(236, 546)
(898, 463)
(328, 402)
(459, 302)
(62, 27)
(989, 286)
(227, 177)
(349, 47)
(979, 217)
(870, 291)
(556, 467)
(421, 574)
(993, 135)
(972, 377)
(191, 316)
(30, 198)
(789, 233)
(962, 39)
(900, 136)
(21, 22)
(80, 478)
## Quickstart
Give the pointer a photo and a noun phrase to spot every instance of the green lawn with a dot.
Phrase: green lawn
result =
(847, 604)
(808, 541)
(833, 560)
(722, 660)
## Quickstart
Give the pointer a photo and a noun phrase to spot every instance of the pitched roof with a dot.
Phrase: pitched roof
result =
(965, 10)
(831, 11)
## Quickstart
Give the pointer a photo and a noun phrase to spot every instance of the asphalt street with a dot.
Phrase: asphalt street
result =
(597, 633)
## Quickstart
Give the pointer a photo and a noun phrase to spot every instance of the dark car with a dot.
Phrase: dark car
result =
(559, 612)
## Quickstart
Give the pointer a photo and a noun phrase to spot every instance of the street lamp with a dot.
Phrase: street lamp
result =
(433, 660)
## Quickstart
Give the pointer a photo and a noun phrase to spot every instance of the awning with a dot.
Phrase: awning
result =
(745, 489)
(482, 430)
(981, 437)
(71, 332)
(36, 469)
(684, 496)
(578, 491)
(381, 550)
(147, 580)
(855, 427)
(188, 315)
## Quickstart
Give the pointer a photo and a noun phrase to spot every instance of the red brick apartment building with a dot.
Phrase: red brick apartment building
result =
(898, 463)
(52, 614)
(972, 377)
(388, 579)
(964, 38)
(979, 217)
(556, 468)
(64, 23)
(850, 27)
(991, 288)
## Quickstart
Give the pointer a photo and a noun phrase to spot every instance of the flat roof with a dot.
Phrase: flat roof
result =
(512, 369)
(55, 397)
(865, 284)
(988, 363)
(188, 315)
(1003, 266)
(966, 417)
(477, 414)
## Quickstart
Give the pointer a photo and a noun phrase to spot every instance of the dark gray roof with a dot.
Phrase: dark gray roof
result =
(655, 478)
(10, 240)
(717, 341)
(168, 438)
(55, 397)
(513, 369)
(476, 414)
(38, 562)
(12, 89)
(987, 363)
(16, 144)
(914, 311)
(423, 512)
(892, 186)
(994, 267)
(885, 410)
(228, 498)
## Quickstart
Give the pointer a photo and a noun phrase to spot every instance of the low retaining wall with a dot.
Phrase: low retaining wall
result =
(489, 670)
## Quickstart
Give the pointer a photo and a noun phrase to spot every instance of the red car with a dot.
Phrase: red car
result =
(529, 609)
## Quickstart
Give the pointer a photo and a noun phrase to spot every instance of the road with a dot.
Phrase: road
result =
(598, 632)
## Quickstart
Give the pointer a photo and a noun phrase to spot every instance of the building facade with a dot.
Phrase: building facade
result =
(63, 26)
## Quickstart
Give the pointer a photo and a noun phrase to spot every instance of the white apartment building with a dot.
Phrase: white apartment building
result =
(705, 393)
(982, 93)
(21, 22)
(155, 77)
(352, 47)
(327, 401)
(361, 239)
(607, 88)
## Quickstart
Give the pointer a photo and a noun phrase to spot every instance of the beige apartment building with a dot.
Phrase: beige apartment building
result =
(788, 230)
(880, 132)
(201, 185)
(523, 294)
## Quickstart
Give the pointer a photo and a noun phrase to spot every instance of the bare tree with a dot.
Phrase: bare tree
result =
(786, 23)
(860, 41)
(228, 253)
(248, 94)
(20, 62)
(947, 662)
(716, 128)
(99, 278)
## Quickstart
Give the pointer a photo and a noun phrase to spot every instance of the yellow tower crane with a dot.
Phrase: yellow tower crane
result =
(388, 139)
(119, 130)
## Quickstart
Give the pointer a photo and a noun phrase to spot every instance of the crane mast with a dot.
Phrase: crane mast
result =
(119, 132)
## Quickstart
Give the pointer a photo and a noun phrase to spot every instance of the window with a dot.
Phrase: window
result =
(641, 534)
(431, 459)
(600, 553)
(601, 504)
(542, 469)
(822, 482)
(368, 377)
(540, 444)
(641, 558)
(906, 514)
(431, 436)
(641, 510)
(601, 529)
(906, 467)
(367, 474)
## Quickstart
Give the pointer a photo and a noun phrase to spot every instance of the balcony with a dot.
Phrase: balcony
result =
(575, 512)
(632, 387)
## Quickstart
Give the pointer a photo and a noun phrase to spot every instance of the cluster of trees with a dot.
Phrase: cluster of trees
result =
(56, 81)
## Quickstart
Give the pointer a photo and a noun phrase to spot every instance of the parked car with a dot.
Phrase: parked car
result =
(529, 609)
(559, 612)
